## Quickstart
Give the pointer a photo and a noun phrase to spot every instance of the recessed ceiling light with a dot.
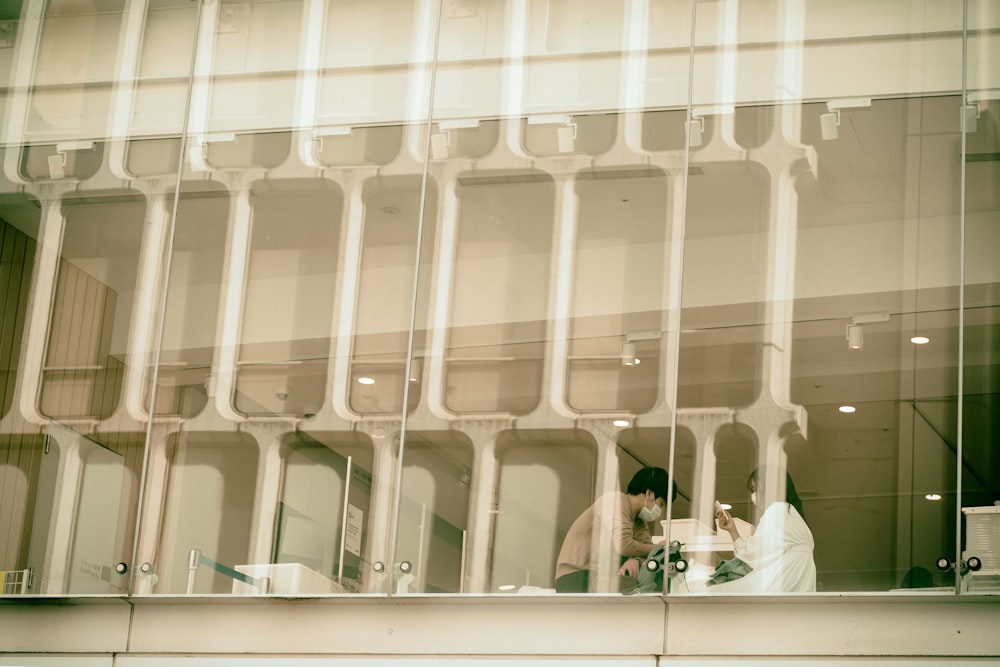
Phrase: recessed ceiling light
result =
(847, 408)
(366, 380)
(920, 340)
(621, 422)
(933, 496)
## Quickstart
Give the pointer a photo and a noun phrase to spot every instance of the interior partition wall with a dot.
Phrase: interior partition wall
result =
(325, 297)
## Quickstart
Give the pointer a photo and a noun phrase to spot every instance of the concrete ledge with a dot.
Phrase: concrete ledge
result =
(699, 627)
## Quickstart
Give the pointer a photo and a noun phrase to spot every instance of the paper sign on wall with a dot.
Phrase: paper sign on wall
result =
(355, 518)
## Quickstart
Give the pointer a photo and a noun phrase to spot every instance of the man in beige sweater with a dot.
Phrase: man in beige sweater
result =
(628, 515)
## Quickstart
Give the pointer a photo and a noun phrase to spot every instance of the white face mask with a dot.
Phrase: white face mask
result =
(650, 513)
(753, 497)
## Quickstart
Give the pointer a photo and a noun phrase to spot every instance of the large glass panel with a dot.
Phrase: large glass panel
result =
(412, 290)
(547, 292)
(530, 527)
(821, 234)
(434, 513)
(282, 361)
(80, 252)
(320, 521)
(980, 422)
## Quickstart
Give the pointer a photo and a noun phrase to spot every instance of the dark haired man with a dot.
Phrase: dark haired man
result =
(642, 502)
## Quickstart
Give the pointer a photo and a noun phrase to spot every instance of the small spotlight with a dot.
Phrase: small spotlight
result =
(829, 125)
(628, 354)
(621, 422)
(933, 496)
(566, 138)
(366, 380)
(506, 587)
(847, 409)
(970, 118)
(855, 337)
(920, 340)
(696, 131)
(439, 145)
(726, 506)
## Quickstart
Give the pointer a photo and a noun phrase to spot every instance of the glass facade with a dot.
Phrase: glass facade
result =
(379, 296)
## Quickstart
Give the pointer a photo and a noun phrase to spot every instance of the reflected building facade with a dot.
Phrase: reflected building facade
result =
(372, 298)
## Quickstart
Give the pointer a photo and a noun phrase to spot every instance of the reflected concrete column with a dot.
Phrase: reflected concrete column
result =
(483, 490)
(604, 568)
(148, 310)
(670, 359)
(385, 447)
(339, 369)
(772, 426)
(222, 382)
(778, 306)
(122, 101)
(773, 416)
(149, 526)
(441, 289)
(43, 284)
(201, 82)
(269, 474)
(554, 378)
(704, 425)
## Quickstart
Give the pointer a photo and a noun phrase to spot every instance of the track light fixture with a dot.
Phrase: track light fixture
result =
(855, 337)
(439, 145)
(628, 354)
(855, 334)
(972, 108)
(696, 131)
(829, 123)
(565, 130)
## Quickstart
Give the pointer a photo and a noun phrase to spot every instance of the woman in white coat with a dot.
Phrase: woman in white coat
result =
(780, 550)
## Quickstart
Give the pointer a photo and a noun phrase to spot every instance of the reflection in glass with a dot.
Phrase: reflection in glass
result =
(545, 484)
(385, 293)
(195, 287)
(486, 318)
(92, 307)
(207, 507)
(619, 291)
(434, 512)
(288, 303)
(499, 302)
(320, 534)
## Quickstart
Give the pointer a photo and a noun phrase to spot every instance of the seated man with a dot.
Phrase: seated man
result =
(642, 502)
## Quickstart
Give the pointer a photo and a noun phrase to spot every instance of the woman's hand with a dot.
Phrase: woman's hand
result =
(630, 568)
(726, 523)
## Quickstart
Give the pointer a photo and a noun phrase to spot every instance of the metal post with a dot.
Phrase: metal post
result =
(193, 557)
(420, 544)
(343, 522)
(461, 569)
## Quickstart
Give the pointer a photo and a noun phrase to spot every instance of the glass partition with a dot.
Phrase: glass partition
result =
(821, 238)
(81, 250)
(399, 296)
(976, 411)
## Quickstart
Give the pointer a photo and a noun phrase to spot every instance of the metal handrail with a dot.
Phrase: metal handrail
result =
(196, 558)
